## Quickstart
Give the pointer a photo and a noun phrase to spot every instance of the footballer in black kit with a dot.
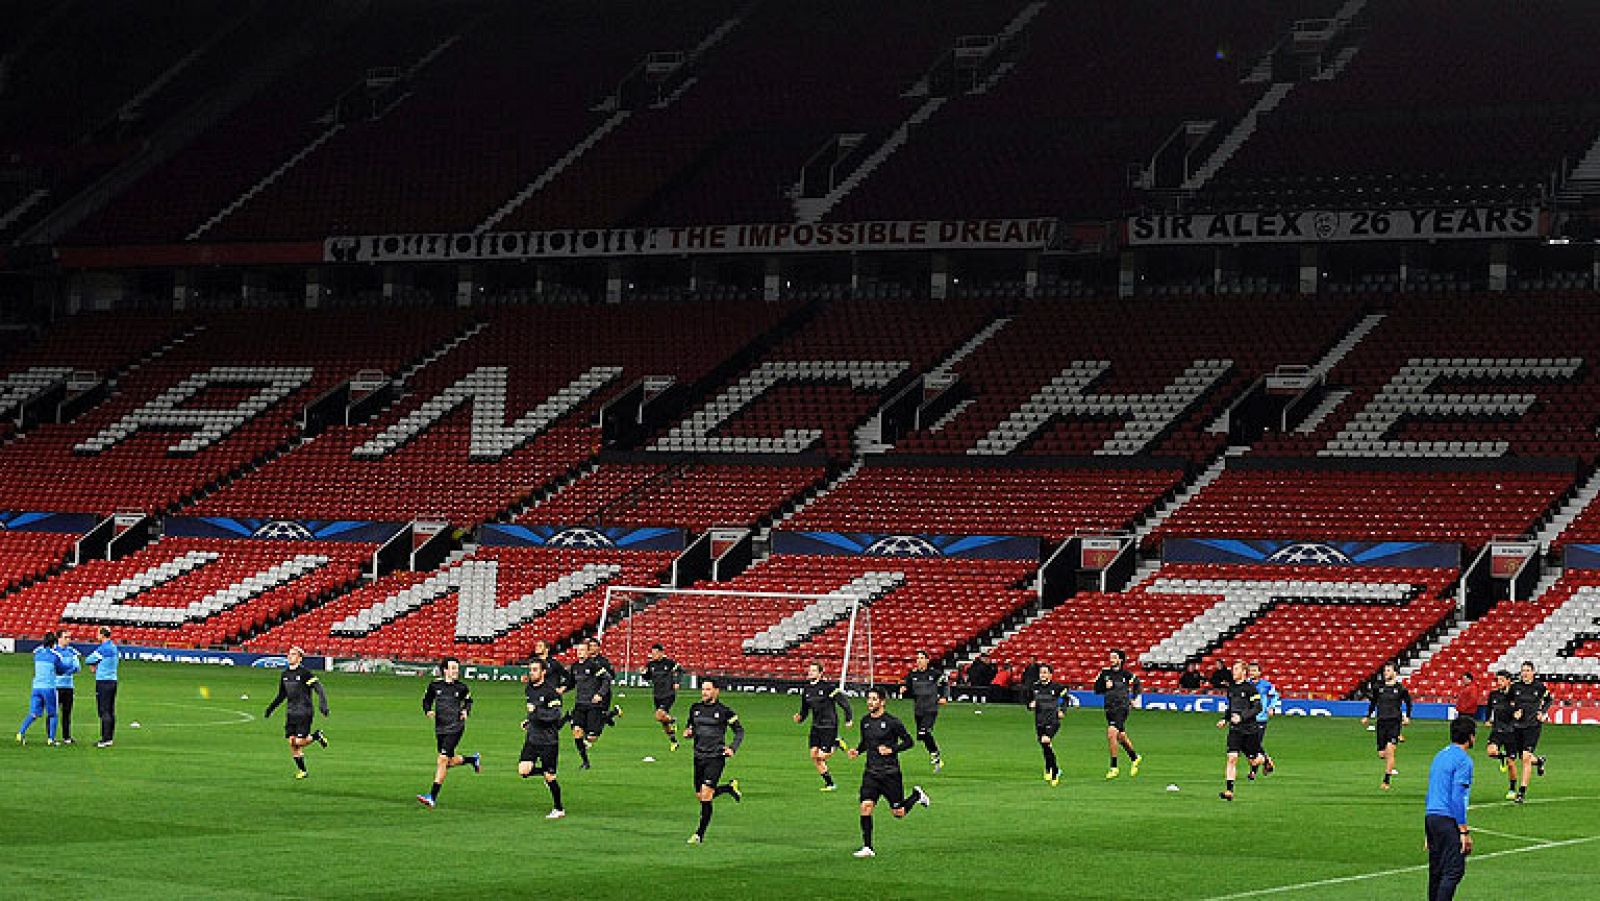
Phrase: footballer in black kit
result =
(709, 722)
(1391, 705)
(591, 689)
(1244, 730)
(663, 672)
(1119, 687)
(294, 689)
(555, 672)
(447, 702)
(1044, 699)
(541, 748)
(929, 690)
(883, 739)
(608, 711)
(818, 700)
(1502, 746)
(1530, 705)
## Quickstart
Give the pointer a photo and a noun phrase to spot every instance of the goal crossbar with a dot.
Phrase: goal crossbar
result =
(856, 603)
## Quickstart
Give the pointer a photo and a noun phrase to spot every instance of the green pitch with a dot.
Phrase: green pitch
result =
(201, 803)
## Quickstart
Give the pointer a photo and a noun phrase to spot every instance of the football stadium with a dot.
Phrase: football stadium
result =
(898, 448)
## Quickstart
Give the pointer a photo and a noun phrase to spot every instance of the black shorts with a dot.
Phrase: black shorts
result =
(708, 771)
(1245, 742)
(824, 737)
(1388, 733)
(447, 742)
(1505, 741)
(545, 757)
(1118, 716)
(887, 786)
(1528, 738)
(592, 720)
(925, 721)
(664, 702)
(1047, 728)
(297, 725)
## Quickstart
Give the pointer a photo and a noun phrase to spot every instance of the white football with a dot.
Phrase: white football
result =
(1172, 787)
(649, 760)
(134, 725)
(244, 697)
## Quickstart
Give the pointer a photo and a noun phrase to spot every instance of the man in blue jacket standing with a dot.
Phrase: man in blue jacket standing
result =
(104, 659)
(1449, 788)
(47, 665)
(64, 683)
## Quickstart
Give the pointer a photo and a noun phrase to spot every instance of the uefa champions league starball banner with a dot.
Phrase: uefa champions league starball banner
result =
(622, 538)
(281, 529)
(870, 544)
(1311, 553)
(17, 521)
(1581, 556)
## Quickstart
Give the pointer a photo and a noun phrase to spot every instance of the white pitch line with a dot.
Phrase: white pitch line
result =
(1558, 800)
(241, 717)
(1513, 835)
(1341, 880)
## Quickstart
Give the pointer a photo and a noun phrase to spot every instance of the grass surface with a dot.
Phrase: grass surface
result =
(200, 803)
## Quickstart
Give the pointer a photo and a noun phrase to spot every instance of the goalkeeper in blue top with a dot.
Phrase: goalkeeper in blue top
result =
(1271, 705)
(47, 665)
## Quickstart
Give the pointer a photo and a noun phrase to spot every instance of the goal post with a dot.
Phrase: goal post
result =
(751, 635)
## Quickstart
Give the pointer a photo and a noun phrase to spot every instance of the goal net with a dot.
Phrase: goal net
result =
(744, 635)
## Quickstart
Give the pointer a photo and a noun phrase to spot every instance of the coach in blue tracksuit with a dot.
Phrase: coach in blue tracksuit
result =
(104, 659)
(47, 665)
(1449, 788)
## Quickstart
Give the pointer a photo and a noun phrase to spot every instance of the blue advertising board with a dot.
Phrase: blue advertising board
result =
(1311, 553)
(281, 529)
(622, 538)
(870, 544)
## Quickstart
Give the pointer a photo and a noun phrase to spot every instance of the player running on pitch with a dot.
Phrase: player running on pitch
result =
(1530, 705)
(1244, 730)
(1503, 731)
(1271, 704)
(591, 687)
(663, 672)
(1044, 699)
(1119, 686)
(929, 690)
(1391, 702)
(294, 689)
(709, 722)
(541, 749)
(818, 701)
(883, 738)
(447, 702)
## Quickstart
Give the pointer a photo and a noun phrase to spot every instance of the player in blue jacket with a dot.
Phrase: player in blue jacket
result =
(1271, 705)
(104, 659)
(65, 685)
(47, 665)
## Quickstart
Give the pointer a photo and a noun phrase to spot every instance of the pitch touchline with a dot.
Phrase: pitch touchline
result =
(1512, 835)
(1339, 880)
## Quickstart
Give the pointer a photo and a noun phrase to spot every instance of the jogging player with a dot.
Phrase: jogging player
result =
(1530, 705)
(1391, 704)
(591, 686)
(1244, 729)
(104, 659)
(929, 690)
(294, 689)
(610, 711)
(1119, 687)
(818, 701)
(1271, 704)
(1502, 747)
(554, 671)
(709, 722)
(663, 673)
(541, 748)
(447, 702)
(1044, 699)
(883, 738)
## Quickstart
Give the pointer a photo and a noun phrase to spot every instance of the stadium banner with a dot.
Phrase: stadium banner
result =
(19, 521)
(623, 538)
(1097, 553)
(1310, 553)
(1506, 560)
(1575, 716)
(1581, 556)
(775, 237)
(870, 544)
(1314, 226)
(281, 529)
(189, 655)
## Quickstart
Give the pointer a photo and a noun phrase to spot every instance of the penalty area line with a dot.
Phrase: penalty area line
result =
(240, 716)
(1362, 877)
